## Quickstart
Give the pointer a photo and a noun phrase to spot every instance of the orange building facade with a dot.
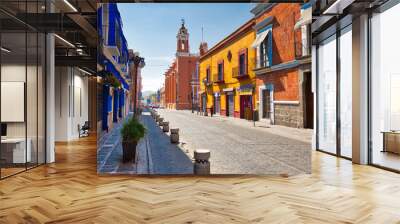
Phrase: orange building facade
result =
(178, 77)
(283, 65)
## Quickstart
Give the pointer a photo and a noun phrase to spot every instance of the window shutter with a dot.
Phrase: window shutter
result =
(246, 64)
(270, 55)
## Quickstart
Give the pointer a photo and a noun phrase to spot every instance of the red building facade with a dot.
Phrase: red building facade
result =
(178, 77)
(170, 87)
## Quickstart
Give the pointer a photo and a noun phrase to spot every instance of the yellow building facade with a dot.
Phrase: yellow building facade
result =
(227, 80)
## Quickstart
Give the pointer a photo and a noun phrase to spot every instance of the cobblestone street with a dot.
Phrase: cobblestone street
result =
(239, 148)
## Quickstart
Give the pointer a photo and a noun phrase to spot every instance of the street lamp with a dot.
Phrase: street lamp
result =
(138, 63)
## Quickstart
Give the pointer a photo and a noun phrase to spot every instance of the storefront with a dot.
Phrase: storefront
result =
(334, 91)
(356, 76)
(246, 101)
(385, 89)
(229, 102)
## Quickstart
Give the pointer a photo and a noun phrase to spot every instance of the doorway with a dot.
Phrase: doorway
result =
(245, 107)
(204, 103)
(217, 104)
(308, 101)
(266, 104)
(229, 105)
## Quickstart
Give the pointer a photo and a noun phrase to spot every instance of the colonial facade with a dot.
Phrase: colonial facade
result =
(113, 59)
(227, 79)
(170, 87)
(283, 65)
(179, 76)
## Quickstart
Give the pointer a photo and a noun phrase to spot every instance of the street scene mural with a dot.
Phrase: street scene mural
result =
(204, 89)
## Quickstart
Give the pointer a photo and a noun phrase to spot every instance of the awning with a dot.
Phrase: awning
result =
(245, 89)
(227, 90)
(306, 17)
(260, 38)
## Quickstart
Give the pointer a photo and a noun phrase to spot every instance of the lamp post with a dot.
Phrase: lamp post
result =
(138, 63)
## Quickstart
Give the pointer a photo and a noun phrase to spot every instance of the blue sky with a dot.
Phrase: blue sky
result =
(151, 29)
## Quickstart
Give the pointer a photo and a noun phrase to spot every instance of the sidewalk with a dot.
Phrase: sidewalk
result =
(155, 153)
(109, 155)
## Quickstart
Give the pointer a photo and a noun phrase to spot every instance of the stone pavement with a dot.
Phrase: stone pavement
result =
(155, 154)
(239, 148)
(166, 158)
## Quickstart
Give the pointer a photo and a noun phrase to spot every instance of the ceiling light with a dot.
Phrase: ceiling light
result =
(70, 5)
(65, 41)
(338, 6)
(86, 72)
(5, 50)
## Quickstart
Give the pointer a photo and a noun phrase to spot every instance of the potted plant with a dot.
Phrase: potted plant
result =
(111, 80)
(132, 131)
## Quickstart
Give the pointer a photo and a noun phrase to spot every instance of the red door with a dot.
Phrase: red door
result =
(245, 106)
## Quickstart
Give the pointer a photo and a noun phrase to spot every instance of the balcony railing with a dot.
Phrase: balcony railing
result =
(236, 73)
(218, 78)
(207, 82)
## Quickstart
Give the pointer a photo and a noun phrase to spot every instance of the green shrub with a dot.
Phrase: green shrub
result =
(133, 130)
(110, 79)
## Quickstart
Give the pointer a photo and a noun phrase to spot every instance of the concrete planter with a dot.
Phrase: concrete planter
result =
(174, 135)
(201, 165)
(165, 126)
(129, 151)
(160, 121)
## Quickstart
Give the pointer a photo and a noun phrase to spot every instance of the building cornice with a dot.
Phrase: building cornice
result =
(261, 8)
(244, 29)
(283, 66)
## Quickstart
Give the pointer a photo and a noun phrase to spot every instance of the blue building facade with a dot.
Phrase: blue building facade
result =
(112, 60)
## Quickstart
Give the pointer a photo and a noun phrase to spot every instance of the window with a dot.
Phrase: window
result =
(385, 89)
(221, 71)
(327, 95)
(265, 51)
(243, 62)
(208, 74)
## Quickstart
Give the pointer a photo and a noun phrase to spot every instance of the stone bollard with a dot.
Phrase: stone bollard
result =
(201, 162)
(174, 135)
(157, 117)
(165, 126)
(160, 121)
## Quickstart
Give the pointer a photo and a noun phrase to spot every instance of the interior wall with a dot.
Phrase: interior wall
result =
(71, 102)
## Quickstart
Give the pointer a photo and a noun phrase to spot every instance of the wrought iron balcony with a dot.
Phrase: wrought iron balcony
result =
(237, 74)
(218, 78)
(207, 82)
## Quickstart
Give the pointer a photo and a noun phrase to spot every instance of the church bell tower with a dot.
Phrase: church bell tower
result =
(182, 39)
